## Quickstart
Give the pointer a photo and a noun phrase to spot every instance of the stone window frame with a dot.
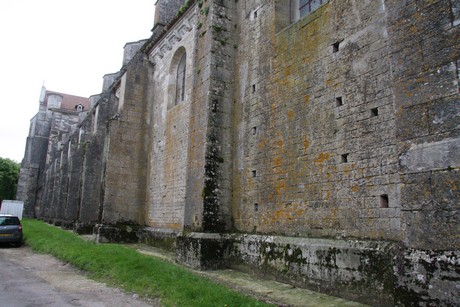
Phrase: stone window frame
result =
(305, 7)
(291, 11)
(177, 92)
(180, 79)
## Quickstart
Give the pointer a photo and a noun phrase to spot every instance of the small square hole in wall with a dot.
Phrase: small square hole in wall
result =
(255, 14)
(254, 130)
(335, 47)
(338, 101)
(253, 88)
(254, 173)
(256, 207)
(384, 201)
(344, 158)
(375, 112)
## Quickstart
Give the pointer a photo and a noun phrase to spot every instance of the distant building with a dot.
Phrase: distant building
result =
(316, 142)
(58, 117)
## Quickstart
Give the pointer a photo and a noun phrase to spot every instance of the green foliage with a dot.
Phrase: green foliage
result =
(9, 174)
(183, 8)
(123, 267)
(205, 11)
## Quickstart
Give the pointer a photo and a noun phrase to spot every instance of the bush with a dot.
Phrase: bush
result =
(9, 174)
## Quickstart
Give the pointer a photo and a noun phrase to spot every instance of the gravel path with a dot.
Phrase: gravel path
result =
(30, 279)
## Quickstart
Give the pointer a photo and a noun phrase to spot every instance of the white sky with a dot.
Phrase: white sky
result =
(67, 44)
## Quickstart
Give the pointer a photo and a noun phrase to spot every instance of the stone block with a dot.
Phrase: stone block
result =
(117, 233)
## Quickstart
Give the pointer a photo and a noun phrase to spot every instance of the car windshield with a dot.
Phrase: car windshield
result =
(9, 220)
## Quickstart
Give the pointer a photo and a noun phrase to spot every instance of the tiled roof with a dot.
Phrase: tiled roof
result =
(70, 101)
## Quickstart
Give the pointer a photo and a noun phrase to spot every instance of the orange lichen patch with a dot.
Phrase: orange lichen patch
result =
(306, 143)
(271, 197)
(355, 188)
(262, 144)
(250, 182)
(277, 161)
(322, 157)
(306, 98)
(280, 187)
(291, 114)
(346, 169)
(281, 215)
(287, 71)
(414, 29)
(331, 83)
(280, 143)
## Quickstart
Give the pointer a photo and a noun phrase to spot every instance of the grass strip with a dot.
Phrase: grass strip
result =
(123, 267)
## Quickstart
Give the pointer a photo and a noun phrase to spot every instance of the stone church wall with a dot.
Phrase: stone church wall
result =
(125, 153)
(323, 152)
(426, 89)
(169, 125)
(313, 157)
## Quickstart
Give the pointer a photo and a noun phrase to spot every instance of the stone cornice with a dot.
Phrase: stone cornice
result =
(175, 36)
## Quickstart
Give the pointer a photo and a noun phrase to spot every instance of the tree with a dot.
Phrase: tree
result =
(9, 174)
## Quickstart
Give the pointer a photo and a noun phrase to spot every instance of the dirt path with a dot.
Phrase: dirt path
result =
(30, 279)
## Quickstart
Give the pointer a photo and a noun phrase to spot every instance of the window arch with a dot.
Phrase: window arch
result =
(180, 79)
(177, 79)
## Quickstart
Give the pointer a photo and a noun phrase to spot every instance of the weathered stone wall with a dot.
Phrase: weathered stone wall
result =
(92, 145)
(31, 178)
(166, 10)
(26, 189)
(358, 270)
(425, 48)
(219, 150)
(63, 123)
(108, 80)
(316, 153)
(169, 126)
(130, 50)
(425, 52)
(337, 132)
(126, 151)
(210, 152)
(318, 123)
(74, 173)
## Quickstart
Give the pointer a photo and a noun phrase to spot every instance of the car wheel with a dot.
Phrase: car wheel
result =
(18, 244)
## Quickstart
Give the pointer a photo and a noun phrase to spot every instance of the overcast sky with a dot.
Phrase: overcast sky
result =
(66, 44)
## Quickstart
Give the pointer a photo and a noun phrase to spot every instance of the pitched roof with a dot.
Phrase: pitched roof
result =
(69, 102)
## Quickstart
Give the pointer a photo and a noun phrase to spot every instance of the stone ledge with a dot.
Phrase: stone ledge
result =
(379, 273)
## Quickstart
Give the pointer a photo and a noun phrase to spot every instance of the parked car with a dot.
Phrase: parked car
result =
(10, 229)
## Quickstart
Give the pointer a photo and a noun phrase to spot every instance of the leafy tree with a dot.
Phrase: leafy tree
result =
(9, 174)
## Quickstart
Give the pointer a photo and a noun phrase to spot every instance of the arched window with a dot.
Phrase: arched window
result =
(180, 80)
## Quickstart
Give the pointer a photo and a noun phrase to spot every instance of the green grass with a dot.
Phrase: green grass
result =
(123, 267)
